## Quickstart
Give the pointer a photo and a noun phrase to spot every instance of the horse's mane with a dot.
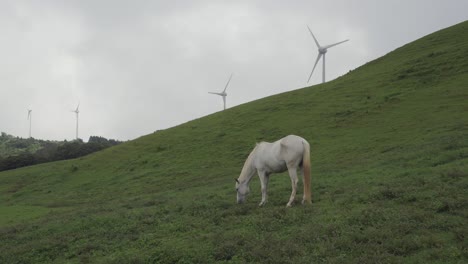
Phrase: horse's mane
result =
(247, 164)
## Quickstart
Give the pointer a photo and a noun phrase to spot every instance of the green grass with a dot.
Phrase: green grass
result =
(389, 178)
(11, 215)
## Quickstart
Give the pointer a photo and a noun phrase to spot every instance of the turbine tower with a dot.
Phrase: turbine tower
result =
(30, 121)
(223, 93)
(322, 51)
(76, 111)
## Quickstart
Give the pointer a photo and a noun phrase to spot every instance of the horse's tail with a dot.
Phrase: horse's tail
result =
(306, 170)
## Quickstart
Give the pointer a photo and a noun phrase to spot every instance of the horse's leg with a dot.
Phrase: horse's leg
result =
(264, 183)
(293, 175)
(301, 172)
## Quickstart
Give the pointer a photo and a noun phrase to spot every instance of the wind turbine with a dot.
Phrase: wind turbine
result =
(30, 121)
(76, 111)
(322, 51)
(223, 93)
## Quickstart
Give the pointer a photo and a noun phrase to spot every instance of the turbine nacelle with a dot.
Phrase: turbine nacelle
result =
(76, 110)
(322, 50)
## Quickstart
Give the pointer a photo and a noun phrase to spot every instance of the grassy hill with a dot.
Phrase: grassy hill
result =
(389, 178)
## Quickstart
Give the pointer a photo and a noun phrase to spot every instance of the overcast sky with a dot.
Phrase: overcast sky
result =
(139, 66)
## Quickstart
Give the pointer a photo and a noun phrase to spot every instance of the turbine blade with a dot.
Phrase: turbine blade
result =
(215, 93)
(227, 83)
(316, 42)
(329, 46)
(316, 61)
(78, 106)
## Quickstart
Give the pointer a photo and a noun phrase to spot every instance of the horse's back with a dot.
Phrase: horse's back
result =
(293, 142)
(292, 149)
(277, 156)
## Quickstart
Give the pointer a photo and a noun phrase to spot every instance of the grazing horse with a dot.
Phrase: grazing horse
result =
(288, 153)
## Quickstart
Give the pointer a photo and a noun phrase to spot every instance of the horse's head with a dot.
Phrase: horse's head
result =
(242, 191)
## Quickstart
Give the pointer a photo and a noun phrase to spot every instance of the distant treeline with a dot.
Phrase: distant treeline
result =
(47, 151)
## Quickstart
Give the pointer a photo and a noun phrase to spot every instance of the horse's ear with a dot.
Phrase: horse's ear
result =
(237, 180)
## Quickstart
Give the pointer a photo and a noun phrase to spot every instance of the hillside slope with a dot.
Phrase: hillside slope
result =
(389, 178)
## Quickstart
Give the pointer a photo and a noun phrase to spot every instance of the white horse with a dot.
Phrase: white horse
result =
(288, 153)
